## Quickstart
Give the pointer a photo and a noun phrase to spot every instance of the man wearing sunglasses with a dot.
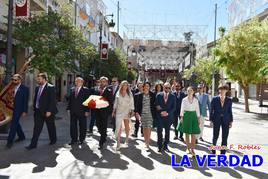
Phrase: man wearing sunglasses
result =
(114, 87)
(21, 97)
(179, 94)
(165, 106)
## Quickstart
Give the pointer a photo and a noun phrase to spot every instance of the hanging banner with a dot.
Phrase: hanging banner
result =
(104, 51)
(21, 9)
(7, 97)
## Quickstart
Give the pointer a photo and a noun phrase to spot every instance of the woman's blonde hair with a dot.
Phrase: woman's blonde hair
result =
(121, 87)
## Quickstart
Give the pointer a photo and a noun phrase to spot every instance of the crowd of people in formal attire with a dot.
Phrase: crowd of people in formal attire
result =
(150, 107)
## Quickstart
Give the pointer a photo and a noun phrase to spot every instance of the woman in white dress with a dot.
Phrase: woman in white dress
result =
(122, 111)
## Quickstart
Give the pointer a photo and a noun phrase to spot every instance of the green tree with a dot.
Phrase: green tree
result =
(57, 44)
(203, 69)
(116, 65)
(238, 55)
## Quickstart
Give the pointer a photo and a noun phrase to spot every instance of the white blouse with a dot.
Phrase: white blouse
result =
(187, 106)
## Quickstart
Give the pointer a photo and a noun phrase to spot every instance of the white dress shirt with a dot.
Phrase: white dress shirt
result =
(16, 89)
(187, 106)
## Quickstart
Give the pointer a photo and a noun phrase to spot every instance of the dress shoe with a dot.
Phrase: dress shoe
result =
(159, 150)
(181, 139)
(72, 143)
(213, 152)
(81, 143)
(134, 135)
(100, 146)
(30, 147)
(52, 142)
(176, 138)
(9, 145)
(165, 148)
(19, 139)
(201, 139)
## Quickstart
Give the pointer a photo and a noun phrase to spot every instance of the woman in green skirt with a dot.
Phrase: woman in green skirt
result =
(190, 119)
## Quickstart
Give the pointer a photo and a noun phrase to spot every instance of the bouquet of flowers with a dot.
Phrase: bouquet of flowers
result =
(96, 102)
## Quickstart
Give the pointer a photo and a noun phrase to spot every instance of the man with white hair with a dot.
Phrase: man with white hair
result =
(78, 112)
(165, 106)
(103, 114)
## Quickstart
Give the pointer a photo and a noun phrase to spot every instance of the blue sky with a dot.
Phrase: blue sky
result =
(171, 12)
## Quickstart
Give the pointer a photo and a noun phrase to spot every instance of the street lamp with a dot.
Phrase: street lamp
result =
(9, 42)
(110, 24)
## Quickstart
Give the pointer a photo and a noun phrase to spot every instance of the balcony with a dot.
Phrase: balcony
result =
(38, 5)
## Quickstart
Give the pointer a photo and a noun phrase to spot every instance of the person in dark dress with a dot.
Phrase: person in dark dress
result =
(145, 111)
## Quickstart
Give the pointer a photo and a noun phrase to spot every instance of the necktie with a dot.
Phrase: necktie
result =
(114, 88)
(166, 97)
(38, 96)
(101, 91)
(76, 92)
(222, 101)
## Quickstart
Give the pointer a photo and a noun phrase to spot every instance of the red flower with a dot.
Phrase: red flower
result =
(92, 104)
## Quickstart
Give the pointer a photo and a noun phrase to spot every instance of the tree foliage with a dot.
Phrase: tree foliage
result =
(238, 54)
(203, 68)
(116, 65)
(57, 44)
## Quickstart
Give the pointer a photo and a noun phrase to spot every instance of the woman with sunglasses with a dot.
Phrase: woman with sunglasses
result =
(190, 119)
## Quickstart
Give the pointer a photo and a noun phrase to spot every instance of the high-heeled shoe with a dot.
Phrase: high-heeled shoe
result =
(118, 147)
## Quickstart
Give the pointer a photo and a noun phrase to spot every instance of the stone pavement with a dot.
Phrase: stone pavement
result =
(87, 162)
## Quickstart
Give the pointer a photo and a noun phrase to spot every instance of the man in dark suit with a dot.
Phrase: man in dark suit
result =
(44, 110)
(114, 87)
(165, 106)
(137, 90)
(103, 114)
(179, 94)
(221, 116)
(21, 97)
(78, 112)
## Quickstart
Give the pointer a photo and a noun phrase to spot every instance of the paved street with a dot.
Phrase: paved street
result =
(62, 161)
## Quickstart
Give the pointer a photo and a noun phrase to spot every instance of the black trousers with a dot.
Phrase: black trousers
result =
(39, 120)
(175, 124)
(225, 133)
(82, 120)
(15, 128)
(102, 122)
(166, 125)
(137, 126)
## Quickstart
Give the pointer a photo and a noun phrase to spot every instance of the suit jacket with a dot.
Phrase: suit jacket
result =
(169, 107)
(75, 104)
(179, 97)
(203, 103)
(47, 101)
(21, 101)
(116, 90)
(138, 99)
(217, 111)
(108, 95)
